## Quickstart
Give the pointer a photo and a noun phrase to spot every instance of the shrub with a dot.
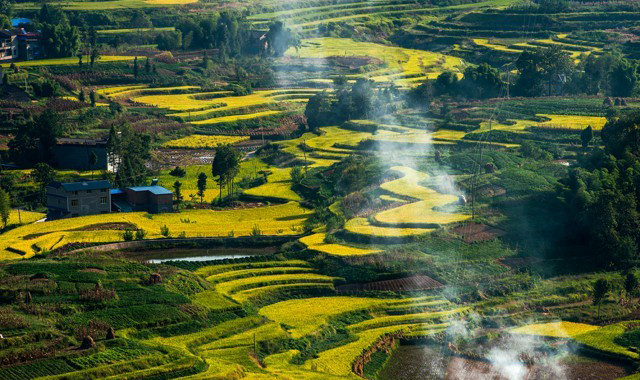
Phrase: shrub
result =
(127, 235)
(164, 231)
(140, 234)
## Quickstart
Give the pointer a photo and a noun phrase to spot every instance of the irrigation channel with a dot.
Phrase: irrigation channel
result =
(198, 254)
(431, 361)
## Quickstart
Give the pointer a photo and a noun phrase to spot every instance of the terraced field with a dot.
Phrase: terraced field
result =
(70, 61)
(203, 141)
(284, 219)
(209, 107)
(406, 67)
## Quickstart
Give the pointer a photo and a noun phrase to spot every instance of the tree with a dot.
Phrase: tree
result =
(225, 166)
(92, 98)
(80, 59)
(624, 78)
(481, 81)
(630, 284)
(58, 37)
(33, 142)
(202, 185)
(95, 55)
(135, 67)
(147, 66)
(319, 111)
(446, 84)
(296, 175)
(5, 208)
(586, 136)
(280, 38)
(169, 40)
(6, 8)
(177, 186)
(129, 152)
(600, 290)
(93, 161)
(81, 95)
(140, 20)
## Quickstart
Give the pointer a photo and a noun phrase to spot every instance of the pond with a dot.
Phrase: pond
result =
(421, 361)
(199, 254)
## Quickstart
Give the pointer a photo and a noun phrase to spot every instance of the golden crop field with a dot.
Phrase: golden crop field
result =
(312, 313)
(211, 270)
(70, 61)
(278, 186)
(232, 118)
(24, 217)
(283, 219)
(203, 141)
(361, 226)
(401, 62)
(199, 105)
(316, 242)
(234, 286)
(108, 91)
(573, 122)
(560, 329)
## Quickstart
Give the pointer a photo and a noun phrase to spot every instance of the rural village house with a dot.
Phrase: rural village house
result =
(96, 197)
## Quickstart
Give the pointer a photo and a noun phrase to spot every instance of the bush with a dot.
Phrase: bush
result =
(164, 231)
(127, 235)
(140, 234)
(178, 172)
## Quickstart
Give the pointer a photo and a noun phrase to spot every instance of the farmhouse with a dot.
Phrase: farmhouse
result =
(153, 199)
(18, 44)
(78, 198)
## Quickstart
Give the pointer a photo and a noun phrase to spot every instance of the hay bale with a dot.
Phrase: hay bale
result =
(87, 342)
(155, 278)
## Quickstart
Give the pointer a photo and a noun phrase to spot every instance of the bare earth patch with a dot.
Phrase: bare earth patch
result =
(476, 232)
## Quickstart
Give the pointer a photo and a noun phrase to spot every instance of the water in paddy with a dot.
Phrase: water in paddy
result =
(428, 362)
(211, 254)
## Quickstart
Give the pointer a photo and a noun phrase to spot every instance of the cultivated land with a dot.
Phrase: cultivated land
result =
(391, 189)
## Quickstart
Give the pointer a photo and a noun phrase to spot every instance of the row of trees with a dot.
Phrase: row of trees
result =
(541, 72)
(362, 100)
(602, 197)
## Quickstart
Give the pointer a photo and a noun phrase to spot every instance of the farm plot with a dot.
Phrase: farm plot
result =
(555, 329)
(69, 61)
(316, 242)
(407, 66)
(283, 219)
(206, 106)
(106, 5)
(421, 214)
(203, 141)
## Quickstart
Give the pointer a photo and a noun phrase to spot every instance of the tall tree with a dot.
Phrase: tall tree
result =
(624, 78)
(586, 136)
(177, 189)
(202, 185)
(5, 208)
(95, 55)
(225, 166)
(135, 67)
(600, 291)
(130, 150)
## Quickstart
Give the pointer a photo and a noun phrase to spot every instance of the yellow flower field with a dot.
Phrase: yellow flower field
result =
(361, 226)
(560, 329)
(312, 313)
(203, 141)
(283, 219)
(316, 242)
(232, 118)
(70, 61)
(24, 217)
(573, 122)
(278, 186)
(401, 62)
(234, 286)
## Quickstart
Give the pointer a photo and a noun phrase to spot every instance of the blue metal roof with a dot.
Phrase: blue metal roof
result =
(116, 191)
(157, 190)
(15, 22)
(85, 185)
